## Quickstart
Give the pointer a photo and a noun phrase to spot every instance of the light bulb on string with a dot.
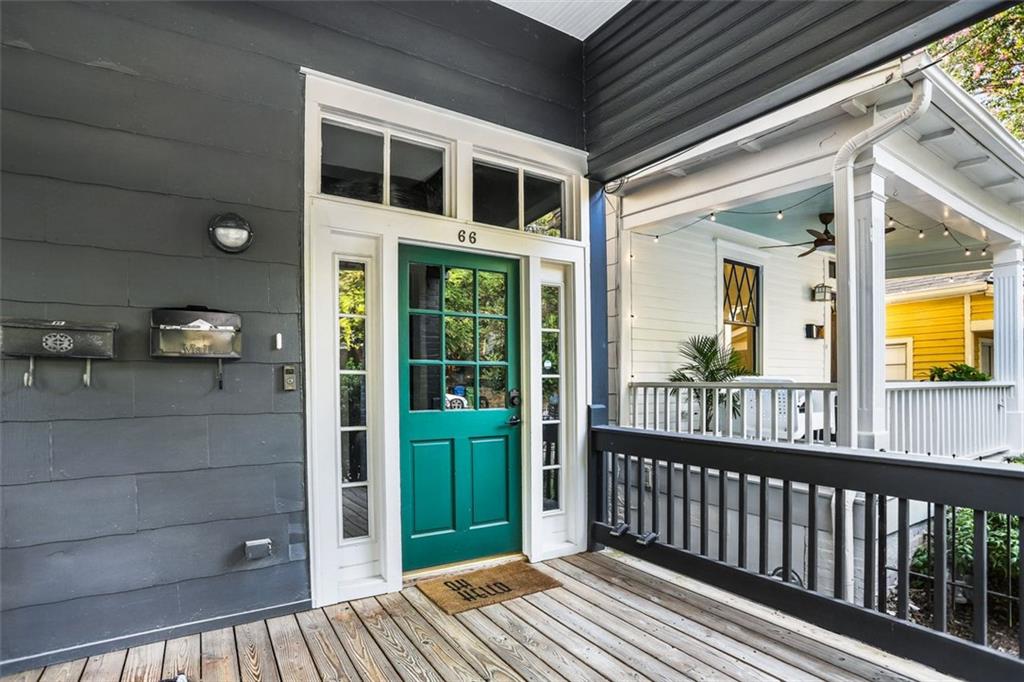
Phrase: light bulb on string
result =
(967, 252)
(945, 231)
(984, 250)
(920, 234)
(713, 218)
(655, 239)
(778, 216)
(891, 221)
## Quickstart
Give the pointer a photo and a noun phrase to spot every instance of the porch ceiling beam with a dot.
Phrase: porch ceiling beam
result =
(937, 135)
(1000, 183)
(970, 163)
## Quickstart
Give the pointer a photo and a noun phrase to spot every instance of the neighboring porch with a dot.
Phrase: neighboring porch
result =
(759, 239)
(613, 618)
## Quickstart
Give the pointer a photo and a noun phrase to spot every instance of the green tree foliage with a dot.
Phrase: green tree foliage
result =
(957, 371)
(990, 64)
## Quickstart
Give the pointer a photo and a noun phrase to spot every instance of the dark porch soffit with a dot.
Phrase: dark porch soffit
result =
(662, 76)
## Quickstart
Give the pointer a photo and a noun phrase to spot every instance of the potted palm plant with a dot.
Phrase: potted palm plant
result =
(707, 358)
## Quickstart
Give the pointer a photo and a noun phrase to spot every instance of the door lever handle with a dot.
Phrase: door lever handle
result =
(514, 421)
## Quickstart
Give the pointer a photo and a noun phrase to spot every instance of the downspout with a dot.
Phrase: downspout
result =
(846, 274)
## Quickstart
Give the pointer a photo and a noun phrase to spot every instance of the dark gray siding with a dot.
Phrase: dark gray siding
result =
(125, 127)
(664, 75)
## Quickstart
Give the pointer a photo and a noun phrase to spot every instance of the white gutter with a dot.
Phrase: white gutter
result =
(846, 276)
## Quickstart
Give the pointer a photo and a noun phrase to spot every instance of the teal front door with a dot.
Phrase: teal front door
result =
(459, 406)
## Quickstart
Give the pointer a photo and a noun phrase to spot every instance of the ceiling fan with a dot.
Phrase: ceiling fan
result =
(824, 240)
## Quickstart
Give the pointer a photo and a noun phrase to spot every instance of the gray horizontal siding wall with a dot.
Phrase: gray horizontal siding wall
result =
(125, 127)
(663, 75)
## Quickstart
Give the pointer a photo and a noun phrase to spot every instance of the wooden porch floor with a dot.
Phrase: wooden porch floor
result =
(611, 619)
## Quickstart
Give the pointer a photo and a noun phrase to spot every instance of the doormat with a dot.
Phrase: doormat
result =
(464, 591)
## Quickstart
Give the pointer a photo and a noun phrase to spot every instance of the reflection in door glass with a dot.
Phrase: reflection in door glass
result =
(425, 337)
(351, 343)
(425, 387)
(460, 387)
(549, 352)
(356, 519)
(549, 307)
(492, 292)
(353, 456)
(458, 338)
(493, 387)
(492, 340)
(458, 290)
(424, 286)
(352, 397)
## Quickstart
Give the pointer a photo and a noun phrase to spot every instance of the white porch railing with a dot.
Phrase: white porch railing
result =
(750, 410)
(965, 419)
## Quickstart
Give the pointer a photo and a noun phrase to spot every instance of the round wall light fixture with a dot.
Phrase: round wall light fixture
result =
(230, 232)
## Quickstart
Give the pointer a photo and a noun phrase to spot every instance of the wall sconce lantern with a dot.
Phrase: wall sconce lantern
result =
(230, 232)
(822, 293)
(814, 331)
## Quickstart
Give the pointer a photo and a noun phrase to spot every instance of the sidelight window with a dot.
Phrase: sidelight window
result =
(552, 341)
(352, 404)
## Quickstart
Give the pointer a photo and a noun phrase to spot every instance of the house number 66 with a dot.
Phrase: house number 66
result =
(467, 236)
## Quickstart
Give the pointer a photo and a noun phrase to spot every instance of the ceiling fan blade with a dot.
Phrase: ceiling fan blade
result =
(808, 252)
(890, 229)
(819, 235)
(786, 246)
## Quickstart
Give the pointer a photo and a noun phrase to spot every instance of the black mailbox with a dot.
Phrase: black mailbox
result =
(195, 332)
(57, 339)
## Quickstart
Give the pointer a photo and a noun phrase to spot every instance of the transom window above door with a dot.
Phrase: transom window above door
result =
(383, 168)
(458, 338)
(517, 199)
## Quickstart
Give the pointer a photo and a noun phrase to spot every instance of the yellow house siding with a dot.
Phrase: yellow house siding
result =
(937, 327)
(981, 307)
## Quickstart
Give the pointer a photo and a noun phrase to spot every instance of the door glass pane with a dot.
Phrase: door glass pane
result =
(352, 399)
(549, 307)
(354, 512)
(353, 456)
(492, 340)
(460, 387)
(425, 337)
(352, 163)
(549, 352)
(495, 195)
(458, 290)
(352, 343)
(417, 176)
(493, 387)
(424, 286)
(492, 292)
(549, 399)
(550, 489)
(542, 205)
(425, 387)
(550, 435)
(458, 336)
(351, 288)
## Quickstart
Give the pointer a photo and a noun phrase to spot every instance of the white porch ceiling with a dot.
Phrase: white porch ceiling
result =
(578, 18)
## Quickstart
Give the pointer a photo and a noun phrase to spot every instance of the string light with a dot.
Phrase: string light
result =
(920, 234)
(967, 251)
(945, 230)
(713, 218)
(984, 250)
(655, 239)
(778, 216)
(892, 222)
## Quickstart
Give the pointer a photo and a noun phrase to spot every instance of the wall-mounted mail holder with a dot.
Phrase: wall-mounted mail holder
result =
(196, 332)
(34, 338)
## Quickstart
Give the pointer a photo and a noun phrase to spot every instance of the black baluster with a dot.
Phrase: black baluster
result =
(870, 542)
(787, 530)
(939, 584)
(741, 503)
(812, 537)
(839, 553)
(902, 558)
(980, 590)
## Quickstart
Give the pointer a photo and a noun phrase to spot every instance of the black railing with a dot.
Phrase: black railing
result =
(820, 545)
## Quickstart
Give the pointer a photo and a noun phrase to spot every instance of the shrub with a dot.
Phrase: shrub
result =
(957, 371)
(1003, 556)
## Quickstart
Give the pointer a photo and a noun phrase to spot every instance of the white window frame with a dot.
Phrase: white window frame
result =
(562, 385)
(726, 250)
(908, 343)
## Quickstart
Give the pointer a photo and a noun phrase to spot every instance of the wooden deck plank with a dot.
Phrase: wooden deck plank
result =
(256, 653)
(793, 647)
(618, 641)
(64, 672)
(744, 661)
(583, 648)
(182, 657)
(566, 664)
(328, 654)
(366, 655)
(23, 676)
(488, 664)
(219, 656)
(442, 656)
(105, 667)
(293, 659)
(144, 663)
(508, 648)
(403, 654)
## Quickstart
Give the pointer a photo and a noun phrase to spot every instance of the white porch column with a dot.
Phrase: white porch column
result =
(861, 324)
(1008, 333)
